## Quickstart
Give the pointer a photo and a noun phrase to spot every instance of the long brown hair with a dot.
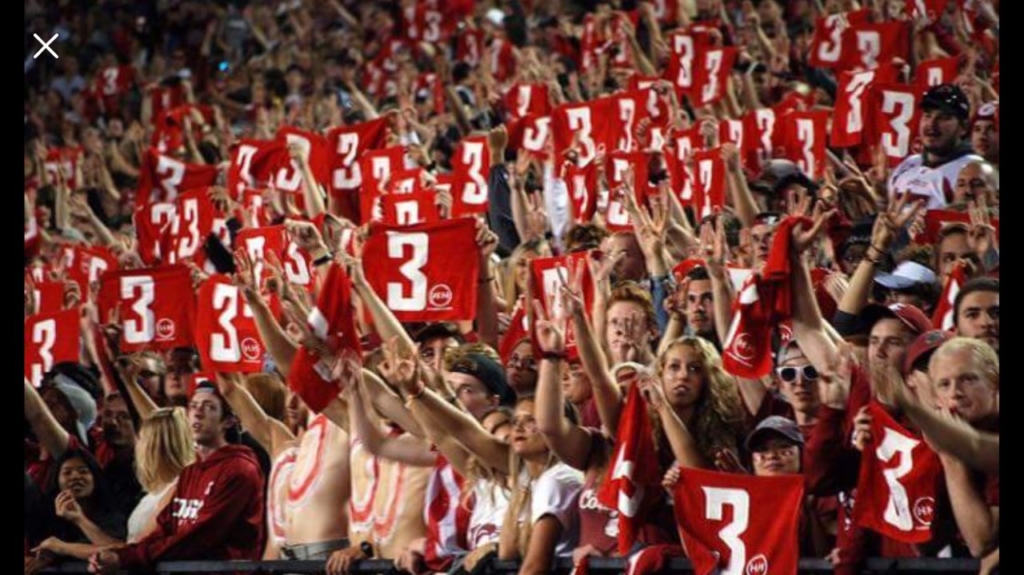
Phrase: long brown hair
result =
(719, 421)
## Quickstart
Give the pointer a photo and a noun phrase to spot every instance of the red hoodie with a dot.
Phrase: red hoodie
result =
(216, 514)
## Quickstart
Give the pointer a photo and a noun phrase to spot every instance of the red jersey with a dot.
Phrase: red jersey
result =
(216, 514)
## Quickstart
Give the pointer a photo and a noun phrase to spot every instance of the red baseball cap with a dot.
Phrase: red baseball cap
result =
(923, 347)
(910, 315)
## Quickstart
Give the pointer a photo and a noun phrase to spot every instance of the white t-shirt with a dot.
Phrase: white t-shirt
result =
(145, 511)
(556, 492)
(489, 506)
(930, 184)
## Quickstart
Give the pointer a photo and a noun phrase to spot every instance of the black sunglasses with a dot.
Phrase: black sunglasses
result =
(789, 374)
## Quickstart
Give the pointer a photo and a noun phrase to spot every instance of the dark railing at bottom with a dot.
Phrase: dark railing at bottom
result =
(603, 566)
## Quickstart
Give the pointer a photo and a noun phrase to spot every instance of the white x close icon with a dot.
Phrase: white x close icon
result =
(46, 46)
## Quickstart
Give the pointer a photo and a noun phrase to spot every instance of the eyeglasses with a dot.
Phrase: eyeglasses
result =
(789, 374)
(146, 374)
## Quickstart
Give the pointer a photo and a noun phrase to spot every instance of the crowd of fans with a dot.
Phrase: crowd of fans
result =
(444, 282)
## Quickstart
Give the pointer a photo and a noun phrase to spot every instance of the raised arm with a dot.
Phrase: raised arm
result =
(270, 433)
(684, 446)
(568, 441)
(607, 396)
(50, 434)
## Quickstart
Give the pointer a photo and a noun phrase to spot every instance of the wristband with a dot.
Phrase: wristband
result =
(485, 280)
(324, 259)
(554, 356)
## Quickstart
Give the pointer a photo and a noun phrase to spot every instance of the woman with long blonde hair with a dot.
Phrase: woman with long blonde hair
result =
(164, 448)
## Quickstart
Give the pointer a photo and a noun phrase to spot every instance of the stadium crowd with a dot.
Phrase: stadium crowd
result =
(446, 282)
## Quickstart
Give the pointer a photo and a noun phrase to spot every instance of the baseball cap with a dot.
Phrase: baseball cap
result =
(775, 425)
(490, 373)
(80, 401)
(437, 330)
(496, 16)
(906, 275)
(779, 173)
(910, 315)
(987, 111)
(921, 350)
(947, 98)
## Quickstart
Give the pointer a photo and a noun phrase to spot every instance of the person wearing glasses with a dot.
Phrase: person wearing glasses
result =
(798, 385)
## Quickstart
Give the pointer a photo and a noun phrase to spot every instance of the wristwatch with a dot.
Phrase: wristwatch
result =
(367, 548)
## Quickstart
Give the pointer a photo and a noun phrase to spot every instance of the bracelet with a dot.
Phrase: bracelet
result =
(324, 259)
(485, 280)
(554, 356)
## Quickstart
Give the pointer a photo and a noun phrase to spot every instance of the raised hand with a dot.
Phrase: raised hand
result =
(307, 237)
(834, 385)
(400, 368)
(893, 219)
(803, 237)
(67, 508)
(550, 331)
(981, 236)
(486, 240)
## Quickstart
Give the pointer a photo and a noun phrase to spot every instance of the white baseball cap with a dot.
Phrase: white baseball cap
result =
(906, 275)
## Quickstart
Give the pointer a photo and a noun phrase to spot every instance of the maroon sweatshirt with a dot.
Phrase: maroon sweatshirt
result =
(216, 514)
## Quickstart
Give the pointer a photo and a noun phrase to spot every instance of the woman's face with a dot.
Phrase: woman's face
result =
(521, 370)
(522, 271)
(76, 477)
(683, 376)
(776, 456)
(498, 424)
(526, 440)
(576, 384)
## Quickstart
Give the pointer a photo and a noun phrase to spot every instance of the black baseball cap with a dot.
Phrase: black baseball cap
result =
(775, 425)
(490, 373)
(947, 98)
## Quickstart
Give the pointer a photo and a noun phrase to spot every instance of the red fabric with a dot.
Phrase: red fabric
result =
(896, 489)
(530, 134)
(254, 164)
(151, 222)
(709, 188)
(582, 184)
(896, 119)
(518, 330)
(89, 265)
(868, 45)
(289, 175)
(634, 479)
(524, 100)
(590, 124)
(629, 109)
(682, 63)
(804, 140)
(66, 160)
(296, 262)
(196, 217)
(930, 10)
(471, 166)
(165, 98)
(49, 340)
(252, 200)
(216, 514)
(332, 320)
(732, 132)
(943, 317)
(760, 530)
(347, 144)
(155, 307)
(827, 47)
(763, 302)
(48, 296)
(225, 330)
(760, 137)
(410, 209)
(937, 71)
(376, 165)
(427, 272)
(547, 275)
(653, 559)
(617, 169)
(935, 220)
(712, 74)
(852, 114)
(163, 178)
(447, 520)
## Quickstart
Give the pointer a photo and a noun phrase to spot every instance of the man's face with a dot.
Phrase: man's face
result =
(626, 322)
(962, 387)
(632, 266)
(521, 369)
(985, 138)
(206, 418)
(798, 381)
(940, 131)
(952, 248)
(888, 342)
(118, 429)
(700, 307)
(57, 404)
(432, 351)
(472, 394)
(971, 183)
(905, 297)
(761, 236)
(978, 317)
(776, 456)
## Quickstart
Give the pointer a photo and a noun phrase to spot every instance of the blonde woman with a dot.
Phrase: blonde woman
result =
(163, 449)
(516, 271)
(541, 521)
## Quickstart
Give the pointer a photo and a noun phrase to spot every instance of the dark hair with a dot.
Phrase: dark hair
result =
(698, 273)
(460, 72)
(583, 237)
(101, 500)
(975, 285)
